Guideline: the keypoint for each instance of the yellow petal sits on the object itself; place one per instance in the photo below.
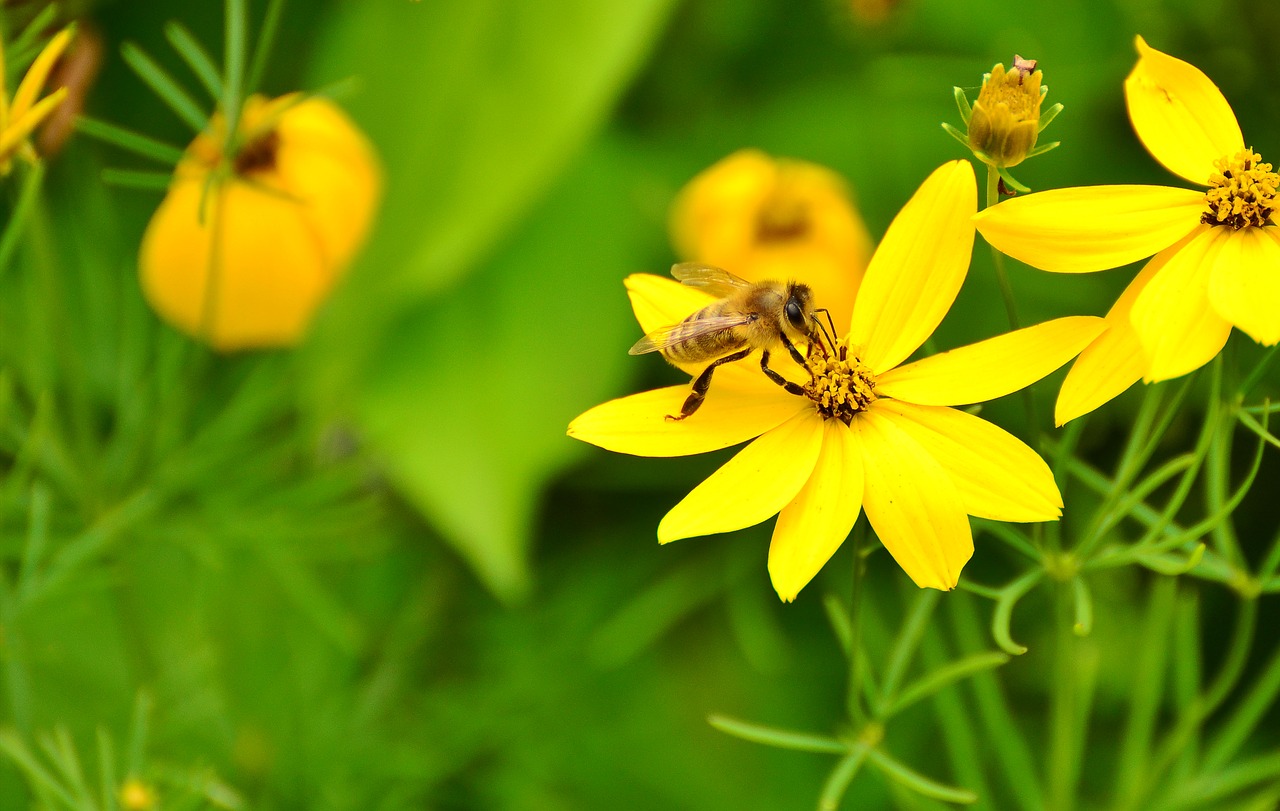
(29, 88)
(912, 503)
(266, 275)
(1092, 227)
(1244, 286)
(991, 368)
(1178, 328)
(811, 528)
(750, 487)
(326, 161)
(995, 473)
(1180, 115)
(18, 130)
(731, 414)
(658, 301)
(1114, 361)
(918, 268)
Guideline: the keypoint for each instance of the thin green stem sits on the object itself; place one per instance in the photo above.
(854, 700)
(1010, 302)
(262, 49)
(233, 67)
(1061, 768)
(22, 209)
(1256, 373)
(904, 647)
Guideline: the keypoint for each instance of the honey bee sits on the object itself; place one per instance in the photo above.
(749, 316)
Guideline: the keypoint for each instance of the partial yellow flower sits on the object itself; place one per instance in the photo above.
(1005, 120)
(775, 218)
(136, 795)
(1216, 254)
(20, 115)
(242, 252)
(870, 432)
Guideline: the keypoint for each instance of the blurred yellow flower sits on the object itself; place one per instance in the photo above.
(1217, 253)
(1005, 120)
(870, 432)
(242, 251)
(20, 115)
(766, 218)
(136, 795)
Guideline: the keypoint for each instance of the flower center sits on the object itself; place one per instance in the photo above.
(841, 385)
(1242, 192)
(259, 155)
(783, 217)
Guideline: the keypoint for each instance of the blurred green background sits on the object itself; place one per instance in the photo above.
(372, 572)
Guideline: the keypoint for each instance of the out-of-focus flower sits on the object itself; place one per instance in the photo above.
(136, 795)
(20, 115)
(1005, 120)
(1217, 253)
(246, 245)
(767, 218)
(868, 432)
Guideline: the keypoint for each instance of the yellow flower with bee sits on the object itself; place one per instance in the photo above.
(853, 427)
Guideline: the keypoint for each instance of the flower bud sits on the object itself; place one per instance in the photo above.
(247, 243)
(1005, 120)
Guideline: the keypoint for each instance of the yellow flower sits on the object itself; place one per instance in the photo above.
(136, 795)
(1216, 254)
(1005, 120)
(870, 432)
(766, 218)
(20, 115)
(241, 252)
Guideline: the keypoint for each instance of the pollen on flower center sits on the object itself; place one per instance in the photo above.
(1242, 192)
(841, 384)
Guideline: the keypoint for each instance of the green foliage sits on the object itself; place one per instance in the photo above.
(268, 580)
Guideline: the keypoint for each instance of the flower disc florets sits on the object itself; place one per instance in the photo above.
(1242, 192)
(841, 385)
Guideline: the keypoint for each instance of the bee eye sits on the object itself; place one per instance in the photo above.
(795, 313)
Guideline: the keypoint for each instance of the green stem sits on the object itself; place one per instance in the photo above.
(1217, 474)
(856, 712)
(1010, 303)
(1062, 767)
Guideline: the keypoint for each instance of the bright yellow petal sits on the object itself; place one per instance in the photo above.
(1178, 328)
(918, 268)
(995, 473)
(750, 487)
(658, 301)
(1092, 227)
(912, 503)
(811, 528)
(731, 414)
(1180, 115)
(21, 127)
(1244, 286)
(1114, 361)
(991, 368)
(29, 88)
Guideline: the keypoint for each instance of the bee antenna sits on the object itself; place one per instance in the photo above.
(828, 329)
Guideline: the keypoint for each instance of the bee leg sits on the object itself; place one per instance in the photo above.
(700, 386)
(795, 354)
(792, 388)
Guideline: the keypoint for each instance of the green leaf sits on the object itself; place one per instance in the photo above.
(475, 108)
(780, 738)
(468, 405)
(899, 773)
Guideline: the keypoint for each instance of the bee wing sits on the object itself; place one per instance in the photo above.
(716, 281)
(685, 331)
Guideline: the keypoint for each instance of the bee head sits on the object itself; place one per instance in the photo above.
(799, 307)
